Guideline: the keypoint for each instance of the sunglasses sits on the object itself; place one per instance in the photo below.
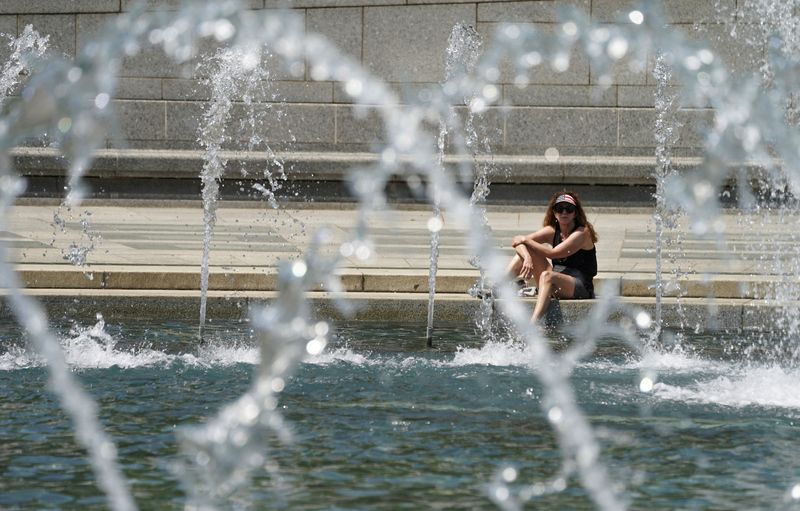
(564, 208)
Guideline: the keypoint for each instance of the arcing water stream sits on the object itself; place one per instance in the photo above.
(749, 125)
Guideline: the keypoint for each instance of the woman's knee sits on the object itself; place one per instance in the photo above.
(546, 277)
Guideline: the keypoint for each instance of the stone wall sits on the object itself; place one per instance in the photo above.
(403, 42)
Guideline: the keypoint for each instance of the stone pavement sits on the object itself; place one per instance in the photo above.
(144, 258)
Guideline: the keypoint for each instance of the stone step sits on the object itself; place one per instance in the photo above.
(83, 305)
(382, 280)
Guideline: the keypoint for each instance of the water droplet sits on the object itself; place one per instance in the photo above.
(64, 124)
(435, 223)
(501, 493)
(796, 492)
(643, 320)
(321, 328)
(692, 63)
(509, 474)
(646, 384)
(477, 105)
(354, 87)
(512, 32)
(250, 60)
(490, 92)
(346, 249)
(315, 346)
(278, 384)
(600, 34)
(706, 56)
(570, 28)
(101, 100)
(636, 17)
(492, 74)
(363, 252)
(74, 74)
(224, 30)
(555, 415)
(551, 154)
(531, 59)
(561, 62)
(320, 73)
(617, 48)
(299, 269)
(389, 156)
(202, 459)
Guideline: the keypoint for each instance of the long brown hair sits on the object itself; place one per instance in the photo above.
(580, 215)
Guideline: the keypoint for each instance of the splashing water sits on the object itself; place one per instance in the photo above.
(212, 464)
(26, 50)
(238, 74)
(666, 134)
(463, 50)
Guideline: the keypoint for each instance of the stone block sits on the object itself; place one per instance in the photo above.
(282, 123)
(304, 124)
(183, 119)
(183, 89)
(60, 28)
(743, 53)
(625, 71)
(636, 127)
(636, 96)
(644, 96)
(60, 278)
(408, 43)
(152, 279)
(141, 120)
(296, 91)
(489, 126)
(208, 48)
(174, 5)
(576, 72)
(303, 92)
(526, 12)
(560, 95)
(600, 170)
(241, 281)
(303, 4)
(342, 27)
(139, 88)
(358, 125)
(405, 91)
(8, 27)
(675, 11)
(59, 7)
(150, 62)
(556, 127)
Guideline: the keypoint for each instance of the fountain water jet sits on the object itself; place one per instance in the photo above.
(238, 73)
(26, 50)
(571, 427)
(463, 50)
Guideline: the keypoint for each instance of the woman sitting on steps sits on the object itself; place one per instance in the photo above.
(568, 240)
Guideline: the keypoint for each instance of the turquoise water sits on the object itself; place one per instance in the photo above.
(382, 422)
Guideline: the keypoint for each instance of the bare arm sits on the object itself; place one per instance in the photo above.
(569, 246)
(543, 235)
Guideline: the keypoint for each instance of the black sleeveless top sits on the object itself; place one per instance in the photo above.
(583, 260)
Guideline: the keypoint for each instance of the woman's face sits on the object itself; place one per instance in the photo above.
(564, 211)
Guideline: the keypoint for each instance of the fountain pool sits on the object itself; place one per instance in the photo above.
(382, 422)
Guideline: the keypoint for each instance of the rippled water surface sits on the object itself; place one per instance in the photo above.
(382, 422)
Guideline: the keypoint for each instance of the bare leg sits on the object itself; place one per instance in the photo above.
(552, 284)
(514, 267)
(539, 262)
